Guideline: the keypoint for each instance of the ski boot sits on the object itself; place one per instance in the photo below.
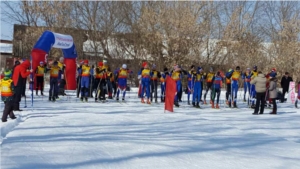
(197, 105)
(86, 99)
(204, 102)
(36, 93)
(142, 100)
(234, 105)
(217, 106)
(53, 99)
(176, 104)
(117, 99)
(50, 98)
(148, 101)
(123, 99)
(227, 102)
(42, 93)
(81, 99)
(189, 102)
(193, 103)
(212, 105)
(211, 102)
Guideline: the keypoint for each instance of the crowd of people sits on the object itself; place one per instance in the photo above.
(101, 81)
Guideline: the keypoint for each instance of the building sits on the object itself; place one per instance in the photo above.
(6, 57)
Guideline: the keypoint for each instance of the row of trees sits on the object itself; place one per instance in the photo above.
(206, 33)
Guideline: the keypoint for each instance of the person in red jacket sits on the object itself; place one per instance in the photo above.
(19, 78)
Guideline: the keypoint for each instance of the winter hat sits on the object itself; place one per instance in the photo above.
(199, 68)
(237, 68)
(55, 63)
(124, 66)
(100, 63)
(153, 66)
(175, 66)
(86, 61)
(218, 73)
(193, 66)
(255, 67)
(211, 69)
(17, 62)
(248, 68)
(7, 73)
(104, 61)
(165, 69)
(41, 62)
(144, 64)
(273, 70)
(230, 70)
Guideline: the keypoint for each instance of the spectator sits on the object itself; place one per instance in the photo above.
(260, 86)
(273, 93)
(285, 84)
(19, 78)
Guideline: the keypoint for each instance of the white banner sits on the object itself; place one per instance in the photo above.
(292, 95)
(62, 41)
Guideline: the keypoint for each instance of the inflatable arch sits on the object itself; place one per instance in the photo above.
(65, 42)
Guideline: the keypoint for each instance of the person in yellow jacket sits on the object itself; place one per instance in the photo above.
(209, 79)
(40, 73)
(54, 75)
(7, 95)
(235, 85)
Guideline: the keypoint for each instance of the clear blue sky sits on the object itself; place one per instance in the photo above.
(6, 31)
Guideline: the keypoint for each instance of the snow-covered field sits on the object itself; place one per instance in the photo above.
(131, 135)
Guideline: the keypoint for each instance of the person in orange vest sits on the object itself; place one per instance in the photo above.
(85, 71)
(155, 76)
(100, 82)
(7, 95)
(209, 76)
(54, 75)
(145, 75)
(39, 73)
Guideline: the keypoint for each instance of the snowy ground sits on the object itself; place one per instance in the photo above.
(71, 134)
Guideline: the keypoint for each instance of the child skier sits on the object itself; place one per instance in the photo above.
(246, 76)
(85, 72)
(155, 75)
(228, 87)
(163, 84)
(217, 84)
(100, 82)
(40, 73)
(209, 76)
(254, 74)
(7, 94)
(190, 76)
(196, 87)
(176, 75)
(122, 75)
(145, 87)
(54, 73)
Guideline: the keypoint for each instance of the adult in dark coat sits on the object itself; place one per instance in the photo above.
(19, 78)
(285, 84)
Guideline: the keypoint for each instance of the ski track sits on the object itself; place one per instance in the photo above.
(71, 134)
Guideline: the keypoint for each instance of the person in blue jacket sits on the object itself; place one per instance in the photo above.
(190, 75)
(86, 71)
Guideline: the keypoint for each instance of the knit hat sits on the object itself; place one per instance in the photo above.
(86, 61)
(7, 73)
(199, 68)
(144, 64)
(165, 69)
(55, 63)
(153, 66)
(100, 63)
(193, 66)
(104, 61)
(218, 73)
(255, 67)
(237, 68)
(273, 70)
(248, 68)
(41, 62)
(124, 66)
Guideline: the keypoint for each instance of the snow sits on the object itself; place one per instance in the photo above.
(131, 135)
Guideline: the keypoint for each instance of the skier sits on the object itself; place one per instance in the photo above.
(209, 76)
(217, 85)
(54, 75)
(61, 74)
(228, 87)
(246, 76)
(196, 87)
(155, 75)
(86, 71)
(78, 79)
(254, 74)
(7, 95)
(235, 76)
(145, 85)
(163, 84)
(272, 73)
(39, 73)
(140, 80)
(176, 75)
(190, 84)
(100, 82)
(122, 75)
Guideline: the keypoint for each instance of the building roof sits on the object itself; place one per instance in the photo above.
(6, 48)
